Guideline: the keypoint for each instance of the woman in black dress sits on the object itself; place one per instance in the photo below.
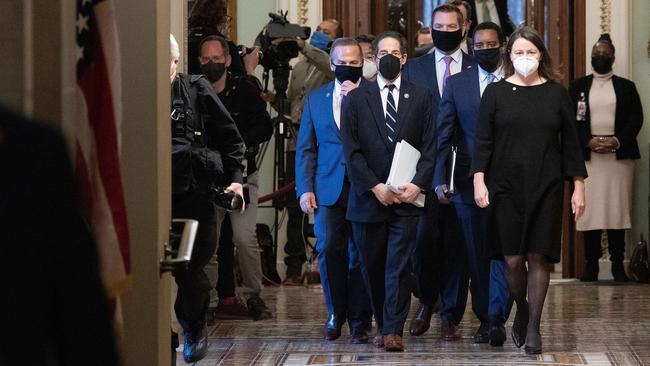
(526, 143)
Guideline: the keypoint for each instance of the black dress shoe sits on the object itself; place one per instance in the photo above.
(195, 345)
(533, 343)
(359, 336)
(497, 334)
(482, 334)
(333, 327)
(422, 320)
(591, 271)
(518, 332)
(618, 271)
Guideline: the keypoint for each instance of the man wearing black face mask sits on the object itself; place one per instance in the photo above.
(609, 117)
(322, 187)
(374, 119)
(438, 237)
(456, 123)
(241, 97)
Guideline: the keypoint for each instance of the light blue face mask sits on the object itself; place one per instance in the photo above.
(320, 40)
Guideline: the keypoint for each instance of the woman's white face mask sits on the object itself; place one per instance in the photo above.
(369, 69)
(525, 65)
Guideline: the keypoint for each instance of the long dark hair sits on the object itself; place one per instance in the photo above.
(545, 69)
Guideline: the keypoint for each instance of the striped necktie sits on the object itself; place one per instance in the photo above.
(391, 115)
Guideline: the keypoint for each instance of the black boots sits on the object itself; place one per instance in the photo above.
(591, 271)
(618, 271)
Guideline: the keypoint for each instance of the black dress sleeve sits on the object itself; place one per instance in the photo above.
(485, 131)
(573, 163)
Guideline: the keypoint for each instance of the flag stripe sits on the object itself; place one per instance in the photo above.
(102, 120)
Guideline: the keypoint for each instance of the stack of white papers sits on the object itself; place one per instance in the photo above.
(403, 168)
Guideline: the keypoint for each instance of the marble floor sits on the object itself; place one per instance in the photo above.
(583, 324)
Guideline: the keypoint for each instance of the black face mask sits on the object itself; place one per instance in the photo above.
(602, 64)
(213, 70)
(488, 58)
(344, 72)
(389, 67)
(446, 41)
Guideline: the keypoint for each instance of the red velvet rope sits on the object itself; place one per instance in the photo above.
(280, 192)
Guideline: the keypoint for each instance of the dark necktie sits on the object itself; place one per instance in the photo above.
(391, 115)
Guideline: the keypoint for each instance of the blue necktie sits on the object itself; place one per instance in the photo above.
(391, 115)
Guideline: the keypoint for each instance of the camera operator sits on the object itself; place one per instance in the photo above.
(205, 138)
(241, 96)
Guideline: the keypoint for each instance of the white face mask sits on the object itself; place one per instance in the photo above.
(369, 69)
(525, 65)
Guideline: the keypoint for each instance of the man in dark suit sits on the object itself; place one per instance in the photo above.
(495, 11)
(456, 123)
(322, 186)
(54, 310)
(431, 71)
(375, 118)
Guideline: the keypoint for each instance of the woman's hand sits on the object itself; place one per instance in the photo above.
(481, 194)
(578, 197)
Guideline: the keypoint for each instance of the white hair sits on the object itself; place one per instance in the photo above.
(174, 51)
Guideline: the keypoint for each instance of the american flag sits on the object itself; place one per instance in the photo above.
(97, 142)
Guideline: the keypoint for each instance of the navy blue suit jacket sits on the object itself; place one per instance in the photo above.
(369, 154)
(422, 72)
(458, 110)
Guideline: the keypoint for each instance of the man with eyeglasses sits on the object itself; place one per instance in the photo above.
(458, 111)
(374, 119)
(241, 97)
(436, 261)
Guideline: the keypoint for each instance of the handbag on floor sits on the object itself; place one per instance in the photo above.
(639, 267)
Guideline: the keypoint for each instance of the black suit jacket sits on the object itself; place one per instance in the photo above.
(507, 26)
(628, 119)
(53, 310)
(369, 154)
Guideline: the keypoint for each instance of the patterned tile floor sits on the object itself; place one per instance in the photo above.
(583, 324)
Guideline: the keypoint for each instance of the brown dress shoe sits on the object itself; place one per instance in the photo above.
(448, 330)
(422, 320)
(378, 340)
(393, 343)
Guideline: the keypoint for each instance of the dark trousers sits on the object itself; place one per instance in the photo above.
(500, 299)
(426, 256)
(487, 281)
(386, 249)
(616, 245)
(226, 259)
(295, 247)
(193, 284)
(340, 269)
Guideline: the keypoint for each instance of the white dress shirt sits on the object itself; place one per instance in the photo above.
(494, 14)
(483, 77)
(383, 90)
(337, 98)
(454, 67)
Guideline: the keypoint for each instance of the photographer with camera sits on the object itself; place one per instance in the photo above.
(207, 153)
(241, 96)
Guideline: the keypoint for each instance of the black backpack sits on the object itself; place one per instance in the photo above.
(195, 166)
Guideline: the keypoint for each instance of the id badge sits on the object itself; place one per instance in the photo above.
(581, 111)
